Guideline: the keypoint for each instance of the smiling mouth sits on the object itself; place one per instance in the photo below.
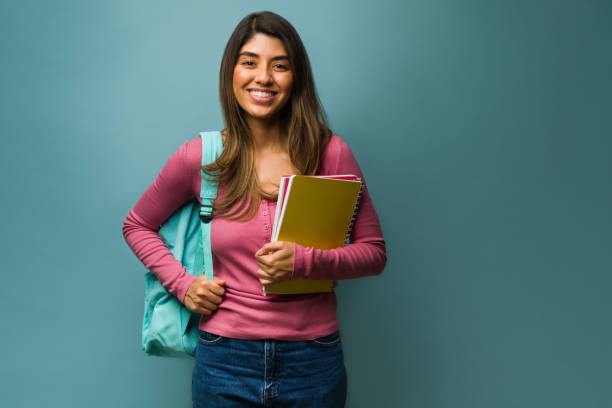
(261, 94)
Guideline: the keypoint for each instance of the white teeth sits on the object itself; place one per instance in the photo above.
(260, 94)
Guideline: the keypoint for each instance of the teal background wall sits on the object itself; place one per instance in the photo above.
(483, 128)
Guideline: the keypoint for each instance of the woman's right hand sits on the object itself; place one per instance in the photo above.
(203, 296)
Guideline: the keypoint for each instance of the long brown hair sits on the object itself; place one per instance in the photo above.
(303, 123)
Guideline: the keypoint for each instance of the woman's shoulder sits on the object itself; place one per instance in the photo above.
(336, 153)
(191, 150)
(186, 160)
(189, 154)
(336, 144)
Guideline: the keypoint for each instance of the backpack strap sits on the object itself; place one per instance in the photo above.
(212, 145)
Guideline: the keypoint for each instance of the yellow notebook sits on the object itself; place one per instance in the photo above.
(314, 211)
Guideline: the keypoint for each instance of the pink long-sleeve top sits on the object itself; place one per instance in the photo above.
(244, 312)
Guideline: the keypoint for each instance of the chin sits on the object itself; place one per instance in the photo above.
(263, 116)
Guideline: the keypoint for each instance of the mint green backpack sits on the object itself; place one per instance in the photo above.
(169, 328)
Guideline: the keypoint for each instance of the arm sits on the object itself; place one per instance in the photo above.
(364, 256)
(171, 188)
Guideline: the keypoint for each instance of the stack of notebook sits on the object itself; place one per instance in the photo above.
(318, 212)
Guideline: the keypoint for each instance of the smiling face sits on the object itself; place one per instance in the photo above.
(262, 77)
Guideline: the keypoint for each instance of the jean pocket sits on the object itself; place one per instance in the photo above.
(208, 339)
(330, 340)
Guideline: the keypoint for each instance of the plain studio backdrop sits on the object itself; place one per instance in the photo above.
(482, 127)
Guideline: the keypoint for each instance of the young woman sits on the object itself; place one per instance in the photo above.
(254, 350)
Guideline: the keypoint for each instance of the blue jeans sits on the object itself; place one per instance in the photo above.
(268, 373)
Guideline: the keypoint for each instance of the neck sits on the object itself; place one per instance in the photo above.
(266, 135)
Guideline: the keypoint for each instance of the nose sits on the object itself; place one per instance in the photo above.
(263, 75)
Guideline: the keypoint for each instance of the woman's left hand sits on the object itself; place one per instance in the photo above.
(275, 260)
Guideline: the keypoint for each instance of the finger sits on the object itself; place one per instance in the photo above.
(271, 280)
(211, 297)
(263, 264)
(212, 289)
(265, 278)
(273, 246)
(194, 307)
(208, 305)
(273, 257)
(209, 290)
(269, 247)
(216, 289)
(263, 261)
(203, 311)
(269, 262)
(284, 251)
(263, 274)
(202, 279)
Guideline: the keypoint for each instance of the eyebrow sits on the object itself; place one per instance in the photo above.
(252, 54)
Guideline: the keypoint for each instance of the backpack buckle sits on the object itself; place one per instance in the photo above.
(206, 213)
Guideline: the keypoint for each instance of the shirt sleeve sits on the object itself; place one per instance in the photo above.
(172, 187)
(364, 256)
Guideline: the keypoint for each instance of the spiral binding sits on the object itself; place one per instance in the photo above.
(347, 238)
